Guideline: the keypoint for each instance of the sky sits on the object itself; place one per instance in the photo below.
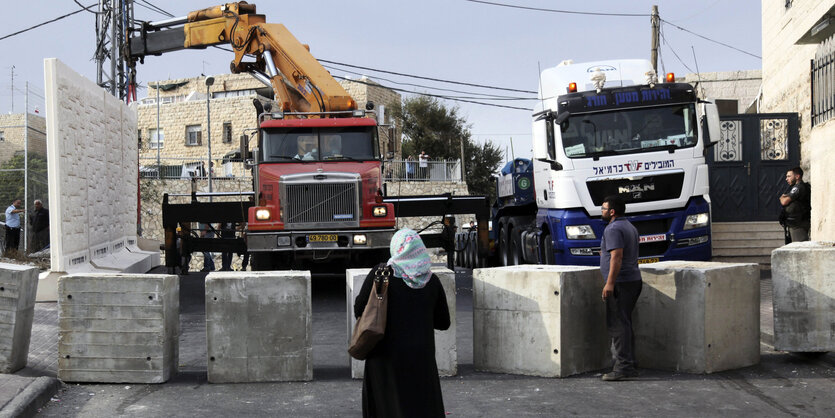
(455, 40)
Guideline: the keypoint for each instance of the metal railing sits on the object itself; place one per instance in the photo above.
(823, 82)
(414, 170)
(189, 167)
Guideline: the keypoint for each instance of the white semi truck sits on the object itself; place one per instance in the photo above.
(606, 128)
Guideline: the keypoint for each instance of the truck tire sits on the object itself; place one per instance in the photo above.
(515, 249)
(504, 243)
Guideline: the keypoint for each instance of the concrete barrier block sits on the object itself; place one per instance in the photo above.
(18, 286)
(258, 326)
(804, 296)
(698, 317)
(539, 320)
(118, 328)
(446, 349)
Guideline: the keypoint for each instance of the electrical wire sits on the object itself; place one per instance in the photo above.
(435, 95)
(426, 78)
(155, 8)
(664, 39)
(484, 95)
(708, 39)
(573, 12)
(87, 8)
(44, 23)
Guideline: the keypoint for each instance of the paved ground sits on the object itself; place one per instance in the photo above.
(782, 385)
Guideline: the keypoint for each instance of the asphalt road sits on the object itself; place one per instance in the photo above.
(782, 385)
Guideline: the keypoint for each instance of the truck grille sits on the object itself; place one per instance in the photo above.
(644, 189)
(326, 200)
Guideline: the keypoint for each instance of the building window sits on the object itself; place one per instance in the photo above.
(227, 132)
(194, 135)
(788, 3)
(156, 141)
(2, 137)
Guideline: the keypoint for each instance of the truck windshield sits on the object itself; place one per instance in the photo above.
(629, 131)
(355, 143)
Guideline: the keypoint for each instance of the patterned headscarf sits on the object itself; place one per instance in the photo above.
(409, 259)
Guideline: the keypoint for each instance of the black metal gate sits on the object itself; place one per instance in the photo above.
(748, 166)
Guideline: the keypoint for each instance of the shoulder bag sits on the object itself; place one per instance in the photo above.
(371, 326)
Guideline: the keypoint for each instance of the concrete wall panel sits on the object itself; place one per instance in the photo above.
(446, 348)
(804, 296)
(18, 285)
(92, 146)
(539, 320)
(258, 326)
(698, 317)
(118, 328)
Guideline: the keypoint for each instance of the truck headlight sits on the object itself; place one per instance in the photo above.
(579, 232)
(698, 220)
(262, 214)
(359, 239)
(379, 211)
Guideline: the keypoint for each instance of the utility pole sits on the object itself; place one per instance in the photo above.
(656, 26)
(114, 72)
(12, 88)
(26, 171)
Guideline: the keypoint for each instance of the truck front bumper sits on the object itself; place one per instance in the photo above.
(303, 241)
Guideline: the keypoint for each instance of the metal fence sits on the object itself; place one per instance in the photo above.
(823, 82)
(413, 170)
(188, 167)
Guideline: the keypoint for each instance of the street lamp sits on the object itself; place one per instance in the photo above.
(209, 82)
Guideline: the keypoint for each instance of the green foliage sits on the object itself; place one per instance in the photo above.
(439, 131)
(11, 182)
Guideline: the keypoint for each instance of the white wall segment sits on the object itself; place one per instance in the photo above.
(92, 148)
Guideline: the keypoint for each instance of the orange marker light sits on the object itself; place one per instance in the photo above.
(572, 87)
(671, 78)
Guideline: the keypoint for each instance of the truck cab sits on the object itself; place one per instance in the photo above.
(319, 194)
(611, 128)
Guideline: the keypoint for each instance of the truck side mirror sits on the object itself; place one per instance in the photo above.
(244, 147)
(710, 124)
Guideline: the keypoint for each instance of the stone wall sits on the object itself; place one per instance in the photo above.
(11, 127)
(422, 188)
(787, 88)
(92, 172)
(742, 86)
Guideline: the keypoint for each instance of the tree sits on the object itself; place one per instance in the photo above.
(439, 131)
(11, 182)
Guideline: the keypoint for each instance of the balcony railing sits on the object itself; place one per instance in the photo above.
(408, 170)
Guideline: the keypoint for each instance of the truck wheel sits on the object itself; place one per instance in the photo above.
(515, 249)
(547, 247)
(504, 243)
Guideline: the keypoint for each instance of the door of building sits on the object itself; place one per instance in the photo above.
(748, 166)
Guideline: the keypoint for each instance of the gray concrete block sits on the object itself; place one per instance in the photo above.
(698, 317)
(446, 349)
(804, 296)
(118, 328)
(18, 287)
(258, 326)
(539, 320)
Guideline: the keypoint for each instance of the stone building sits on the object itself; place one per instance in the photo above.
(734, 91)
(12, 135)
(183, 136)
(793, 33)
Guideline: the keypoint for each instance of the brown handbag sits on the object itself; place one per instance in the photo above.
(371, 326)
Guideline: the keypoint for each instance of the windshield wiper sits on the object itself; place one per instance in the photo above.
(597, 154)
(282, 157)
(669, 147)
(340, 157)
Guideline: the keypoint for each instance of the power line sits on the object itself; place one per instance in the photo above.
(435, 95)
(664, 39)
(711, 40)
(483, 95)
(44, 23)
(155, 8)
(572, 12)
(427, 78)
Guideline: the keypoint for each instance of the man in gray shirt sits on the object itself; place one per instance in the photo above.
(619, 267)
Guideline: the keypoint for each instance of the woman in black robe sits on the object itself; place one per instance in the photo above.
(401, 376)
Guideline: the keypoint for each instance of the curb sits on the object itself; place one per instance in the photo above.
(31, 398)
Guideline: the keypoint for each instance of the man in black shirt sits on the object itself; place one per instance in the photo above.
(798, 206)
(40, 226)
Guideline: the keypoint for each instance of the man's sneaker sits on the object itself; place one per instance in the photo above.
(617, 375)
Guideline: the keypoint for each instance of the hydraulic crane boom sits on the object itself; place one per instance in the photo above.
(300, 83)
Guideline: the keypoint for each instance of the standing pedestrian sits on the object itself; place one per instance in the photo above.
(410, 168)
(401, 375)
(798, 205)
(206, 231)
(39, 221)
(423, 160)
(13, 227)
(227, 231)
(619, 266)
